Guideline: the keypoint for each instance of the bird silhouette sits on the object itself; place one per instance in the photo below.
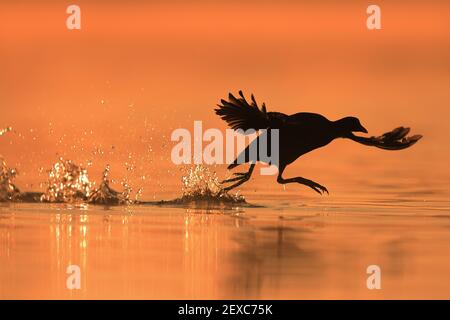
(299, 133)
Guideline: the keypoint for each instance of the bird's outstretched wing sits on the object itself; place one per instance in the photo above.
(393, 140)
(240, 114)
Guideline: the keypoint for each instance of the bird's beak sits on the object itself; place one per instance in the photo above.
(362, 129)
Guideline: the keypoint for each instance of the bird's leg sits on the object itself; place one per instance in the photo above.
(313, 185)
(241, 178)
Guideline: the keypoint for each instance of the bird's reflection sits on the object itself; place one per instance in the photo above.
(270, 256)
(191, 253)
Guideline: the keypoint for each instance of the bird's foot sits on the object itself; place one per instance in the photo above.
(240, 176)
(317, 187)
(240, 179)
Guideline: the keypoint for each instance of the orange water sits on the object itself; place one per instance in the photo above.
(296, 245)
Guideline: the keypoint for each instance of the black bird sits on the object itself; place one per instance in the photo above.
(299, 133)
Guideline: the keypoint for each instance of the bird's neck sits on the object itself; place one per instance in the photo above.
(339, 130)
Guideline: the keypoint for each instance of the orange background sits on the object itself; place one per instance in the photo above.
(114, 91)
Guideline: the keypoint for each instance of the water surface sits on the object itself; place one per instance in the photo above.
(282, 250)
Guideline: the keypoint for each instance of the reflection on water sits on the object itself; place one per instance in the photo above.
(262, 252)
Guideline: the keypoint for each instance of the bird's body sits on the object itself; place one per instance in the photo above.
(299, 134)
(303, 133)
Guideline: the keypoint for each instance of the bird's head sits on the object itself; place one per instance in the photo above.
(347, 125)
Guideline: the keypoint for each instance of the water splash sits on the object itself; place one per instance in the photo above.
(8, 191)
(104, 194)
(202, 185)
(67, 182)
(5, 130)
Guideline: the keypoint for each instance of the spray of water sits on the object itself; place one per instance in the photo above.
(67, 182)
(104, 194)
(5, 130)
(202, 185)
(8, 191)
